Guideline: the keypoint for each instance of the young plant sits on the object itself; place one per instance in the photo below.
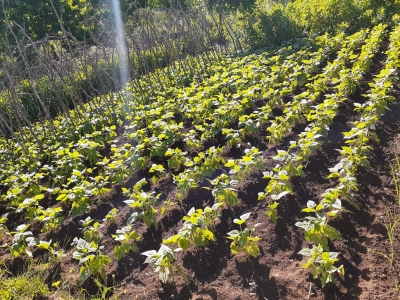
(212, 159)
(81, 197)
(127, 237)
(91, 232)
(160, 173)
(19, 244)
(91, 258)
(322, 264)
(272, 211)
(223, 190)
(51, 218)
(184, 182)
(243, 241)
(191, 140)
(31, 206)
(146, 202)
(54, 254)
(111, 216)
(248, 124)
(233, 137)
(166, 206)
(163, 261)
(252, 160)
(316, 229)
(195, 229)
(3, 227)
(177, 159)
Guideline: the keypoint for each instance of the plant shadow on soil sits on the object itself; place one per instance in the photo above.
(256, 278)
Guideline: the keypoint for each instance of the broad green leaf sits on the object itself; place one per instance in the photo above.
(253, 250)
(39, 197)
(184, 243)
(85, 274)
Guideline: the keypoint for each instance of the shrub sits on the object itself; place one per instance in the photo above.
(29, 285)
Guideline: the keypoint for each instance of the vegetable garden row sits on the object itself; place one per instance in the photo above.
(196, 137)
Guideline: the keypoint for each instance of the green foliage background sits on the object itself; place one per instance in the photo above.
(271, 22)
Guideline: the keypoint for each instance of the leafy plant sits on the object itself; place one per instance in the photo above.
(177, 158)
(184, 182)
(146, 202)
(196, 228)
(3, 227)
(111, 216)
(223, 190)
(31, 206)
(160, 173)
(316, 229)
(272, 211)
(243, 239)
(54, 254)
(191, 140)
(127, 237)
(19, 244)
(233, 137)
(322, 264)
(251, 161)
(91, 232)
(51, 218)
(91, 258)
(166, 206)
(163, 261)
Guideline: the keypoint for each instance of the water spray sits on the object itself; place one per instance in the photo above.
(122, 49)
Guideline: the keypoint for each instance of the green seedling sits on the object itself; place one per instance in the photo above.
(54, 254)
(233, 137)
(184, 182)
(146, 202)
(163, 261)
(243, 241)
(322, 264)
(19, 244)
(167, 206)
(51, 218)
(195, 229)
(223, 190)
(111, 216)
(91, 232)
(177, 158)
(3, 227)
(127, 237)
(316, 229)
(160, 173)
(91, 258)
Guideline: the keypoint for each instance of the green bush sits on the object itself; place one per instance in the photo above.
(26, 286)
(265, 25)
(316, 16)
(270, 22)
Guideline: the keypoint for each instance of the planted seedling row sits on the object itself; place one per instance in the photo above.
(290, 162)
(354, 154)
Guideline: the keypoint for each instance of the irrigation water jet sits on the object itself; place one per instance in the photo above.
(121, 49)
